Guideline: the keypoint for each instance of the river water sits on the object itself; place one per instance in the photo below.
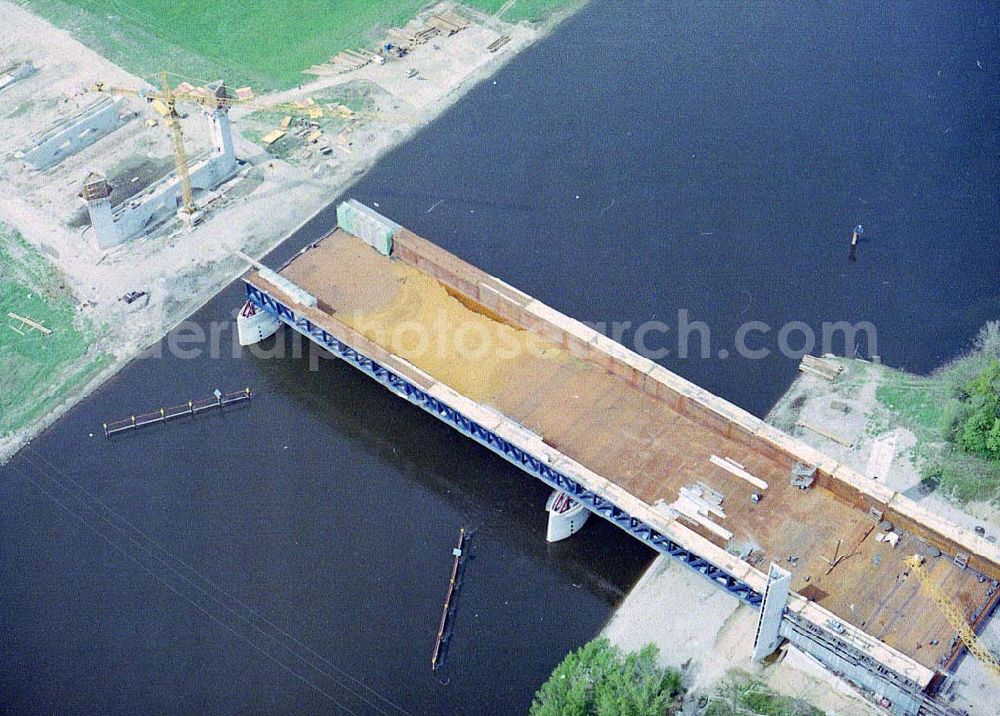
(291, 555)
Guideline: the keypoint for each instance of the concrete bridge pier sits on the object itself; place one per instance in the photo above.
(97, 193)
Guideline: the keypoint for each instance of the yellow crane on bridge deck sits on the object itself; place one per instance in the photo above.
(954, 615)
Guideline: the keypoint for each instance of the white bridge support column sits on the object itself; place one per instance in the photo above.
(97, 194)
(772, 608)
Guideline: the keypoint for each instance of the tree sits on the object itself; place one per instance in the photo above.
(597, 679)
(979, 427)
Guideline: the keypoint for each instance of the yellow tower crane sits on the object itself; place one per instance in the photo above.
(165, 102)
(954, 615)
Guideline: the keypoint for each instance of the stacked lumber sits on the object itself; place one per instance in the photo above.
(498, 43)
(443, 23)
(401, 38)
(349, 60)
(428, 33)
(820, 367)
(448, 23)
(455, 19)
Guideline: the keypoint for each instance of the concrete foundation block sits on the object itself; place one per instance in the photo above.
(69, 137)
(368, 225)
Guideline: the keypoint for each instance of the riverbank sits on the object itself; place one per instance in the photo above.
(180, 271)
(706, 633)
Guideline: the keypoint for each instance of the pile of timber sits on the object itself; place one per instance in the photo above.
(443, 23)
(498, 43)
(350, 60)
(426, 34)
(448, 22)
(345, 61)
(408, 40)
(820, 367)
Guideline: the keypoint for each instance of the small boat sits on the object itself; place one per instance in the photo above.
(254, 325)
(566, 516)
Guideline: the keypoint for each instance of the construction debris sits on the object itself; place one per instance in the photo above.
(696, 502)
(820, 431)
(891, 537)
(820, 367)
(738, 470)
(273, 136)
(26, 323)
(803, 476)
(880, 459)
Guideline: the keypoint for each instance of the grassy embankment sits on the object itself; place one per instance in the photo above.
(936, 409)
(264, 45)
(36, 370)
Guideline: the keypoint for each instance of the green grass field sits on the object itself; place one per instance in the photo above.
(37, 370)
(265, 45)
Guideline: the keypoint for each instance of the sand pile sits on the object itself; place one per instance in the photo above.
(468, 351)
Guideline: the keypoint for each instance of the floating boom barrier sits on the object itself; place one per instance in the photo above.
(192, 407)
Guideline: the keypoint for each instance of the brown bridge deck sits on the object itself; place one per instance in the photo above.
(423, 302)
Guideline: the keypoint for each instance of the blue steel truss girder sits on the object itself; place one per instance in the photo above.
(512, 453)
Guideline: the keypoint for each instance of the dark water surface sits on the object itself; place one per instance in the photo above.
(263, 560)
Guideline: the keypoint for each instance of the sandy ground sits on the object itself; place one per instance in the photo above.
(706, 632)
(810, 400)
(181, 270)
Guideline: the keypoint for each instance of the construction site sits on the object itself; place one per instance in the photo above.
(130, 201)
(132, 188)
(880, 590)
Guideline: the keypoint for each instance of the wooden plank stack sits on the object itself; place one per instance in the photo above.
(448, 22)
(820, 367)
(498, 43)
(428, 33)
(443, 23)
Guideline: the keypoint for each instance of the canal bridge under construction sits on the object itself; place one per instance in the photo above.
(816, 546)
